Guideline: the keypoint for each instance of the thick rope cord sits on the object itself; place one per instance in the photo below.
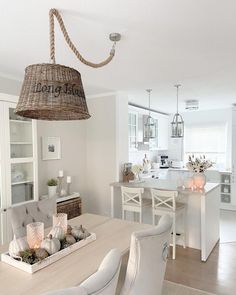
(53, 12)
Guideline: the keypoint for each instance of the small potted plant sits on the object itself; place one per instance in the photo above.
(52, 187)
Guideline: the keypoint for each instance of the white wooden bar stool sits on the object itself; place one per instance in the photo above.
(164, 202)
(132, 201)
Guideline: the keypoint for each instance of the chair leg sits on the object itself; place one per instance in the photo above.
(174, 238)
(123, 214)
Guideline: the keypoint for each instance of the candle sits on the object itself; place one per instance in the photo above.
(35, 234)
(60, 173)
(68, 179)
(60, 219)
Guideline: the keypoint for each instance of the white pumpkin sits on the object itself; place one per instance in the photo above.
(51, 245)
(80, 232)
(17, 245)
(57, 232)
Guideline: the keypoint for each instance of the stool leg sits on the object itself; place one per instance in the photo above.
(153, 218)
(174, 237)
(140, 216)
(184, 228)
(123, 214)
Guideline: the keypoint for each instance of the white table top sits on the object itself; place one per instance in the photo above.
(76, 267)
(166, 184)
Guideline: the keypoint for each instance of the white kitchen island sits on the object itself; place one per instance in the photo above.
(202, 220)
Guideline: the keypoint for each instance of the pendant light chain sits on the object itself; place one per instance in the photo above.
(54, 12)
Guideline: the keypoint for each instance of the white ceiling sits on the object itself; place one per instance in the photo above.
(163, 42)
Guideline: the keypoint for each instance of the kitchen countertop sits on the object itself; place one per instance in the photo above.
(166, 184)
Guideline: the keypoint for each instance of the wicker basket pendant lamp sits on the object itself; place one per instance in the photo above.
(52, 91)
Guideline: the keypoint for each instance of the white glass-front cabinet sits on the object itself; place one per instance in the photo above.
(18, 162)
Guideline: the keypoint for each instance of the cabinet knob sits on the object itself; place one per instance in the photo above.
(4, 210)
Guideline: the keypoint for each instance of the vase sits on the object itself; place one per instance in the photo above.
(52, 191)
(199, 180)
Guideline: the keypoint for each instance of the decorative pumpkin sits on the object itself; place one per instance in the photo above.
(57, 232)
(80, 233)
(69, 229)
(70, 239)
(51, 245)
(17, 245)
(41, 253)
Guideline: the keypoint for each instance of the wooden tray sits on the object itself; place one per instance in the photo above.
(5, 257)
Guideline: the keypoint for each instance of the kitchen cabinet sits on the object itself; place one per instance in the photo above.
(233, 177)
(18, 162)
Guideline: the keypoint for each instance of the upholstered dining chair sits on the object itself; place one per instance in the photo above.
(29, 212)
(147, 259)
(102, 282)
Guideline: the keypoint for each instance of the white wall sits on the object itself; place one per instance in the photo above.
(73, 157)
(201, 117)
(106, 148)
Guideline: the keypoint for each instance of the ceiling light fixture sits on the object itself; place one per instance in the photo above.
(191, 104)
(52, 91)
(177, 124)
(150, 125)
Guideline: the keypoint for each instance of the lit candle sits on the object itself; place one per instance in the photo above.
(68, 179)
(35, 234)
(60, 173)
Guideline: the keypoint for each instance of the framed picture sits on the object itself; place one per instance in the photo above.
(51, 148)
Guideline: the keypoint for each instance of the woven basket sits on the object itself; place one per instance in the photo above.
(52, 92)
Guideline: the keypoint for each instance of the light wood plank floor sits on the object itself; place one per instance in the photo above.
(217, 275)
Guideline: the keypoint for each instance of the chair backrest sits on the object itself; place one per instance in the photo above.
(147, 259)
(131, 195)
(104, 281)
(163, 198)
(24, 214)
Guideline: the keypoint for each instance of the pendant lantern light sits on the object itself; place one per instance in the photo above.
(177, 124)
(150, 125)
(52, 91)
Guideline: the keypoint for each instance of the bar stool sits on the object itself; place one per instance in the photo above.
(164, 202)
(132, 201)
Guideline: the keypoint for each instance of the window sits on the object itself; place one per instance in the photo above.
(206, 139)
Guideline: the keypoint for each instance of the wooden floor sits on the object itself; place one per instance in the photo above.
(217, 275)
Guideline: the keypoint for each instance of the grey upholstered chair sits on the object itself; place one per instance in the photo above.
(102, 282)
(24, 214)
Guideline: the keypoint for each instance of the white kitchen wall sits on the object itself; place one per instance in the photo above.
(201, 117)
(73, 154)
(136, 157)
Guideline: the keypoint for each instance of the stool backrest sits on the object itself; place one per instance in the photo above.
(163, 198)
(131, 195)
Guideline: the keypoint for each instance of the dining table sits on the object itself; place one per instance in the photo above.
(73, 269)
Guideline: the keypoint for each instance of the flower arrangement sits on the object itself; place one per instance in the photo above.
(198, 165)
(136, 169)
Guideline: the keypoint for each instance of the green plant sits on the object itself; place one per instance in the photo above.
(52, 182)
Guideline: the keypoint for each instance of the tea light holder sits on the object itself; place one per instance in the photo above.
(60, 219)
(35, 234)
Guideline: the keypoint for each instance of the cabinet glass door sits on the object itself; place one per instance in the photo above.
(21, 158)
